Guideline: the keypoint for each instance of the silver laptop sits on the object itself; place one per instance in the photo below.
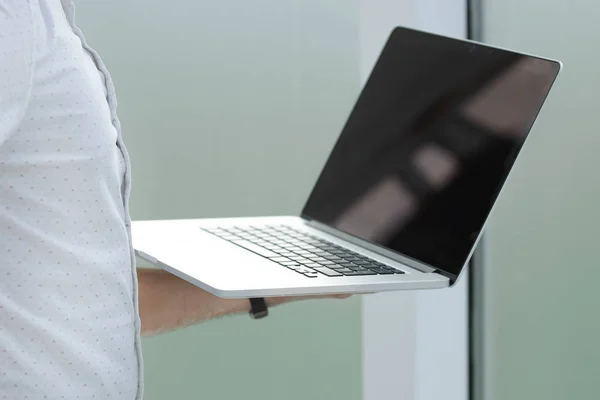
(405, 193)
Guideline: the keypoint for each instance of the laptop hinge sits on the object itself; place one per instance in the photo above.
(451, 277)
(373, 247)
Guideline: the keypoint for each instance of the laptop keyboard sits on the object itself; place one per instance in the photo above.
(306, 254)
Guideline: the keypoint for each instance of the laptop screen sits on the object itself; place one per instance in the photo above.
(429, 144)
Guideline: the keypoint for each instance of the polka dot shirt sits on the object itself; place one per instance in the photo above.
(69, 325)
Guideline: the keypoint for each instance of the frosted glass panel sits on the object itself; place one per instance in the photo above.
(543, 243)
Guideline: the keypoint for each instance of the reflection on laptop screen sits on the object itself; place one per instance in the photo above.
(429, 144)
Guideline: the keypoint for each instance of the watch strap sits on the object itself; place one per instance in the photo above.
(258, 308)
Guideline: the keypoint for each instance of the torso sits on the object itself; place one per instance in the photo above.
(68, 294)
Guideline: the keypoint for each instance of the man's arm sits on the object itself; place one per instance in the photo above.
(168, 302)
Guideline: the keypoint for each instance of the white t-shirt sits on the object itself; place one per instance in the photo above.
(69, 325)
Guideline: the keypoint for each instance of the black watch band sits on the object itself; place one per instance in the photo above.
(258, 308)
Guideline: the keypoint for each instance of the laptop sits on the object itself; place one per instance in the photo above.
(405, 193)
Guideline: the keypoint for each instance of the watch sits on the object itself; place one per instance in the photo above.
(258, 308)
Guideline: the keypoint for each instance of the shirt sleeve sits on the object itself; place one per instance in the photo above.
(16, 64)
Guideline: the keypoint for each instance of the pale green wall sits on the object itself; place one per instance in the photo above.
(229, 108)
(545, 238)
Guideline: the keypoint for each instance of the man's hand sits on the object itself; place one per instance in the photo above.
(167, 302)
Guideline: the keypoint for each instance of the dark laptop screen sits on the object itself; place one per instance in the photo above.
(429, 144)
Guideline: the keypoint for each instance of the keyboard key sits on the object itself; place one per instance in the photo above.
(312, 265)
(360, 273)
(289, 263)
(358, 268)
(380, 271)
(344, 271)
(299, 258)
(255, 249)
(353, 259)
(332, 249)
(228, 237)
(328, 272)
(326, 262)
(280, 259)
(304, 270)
(275, 249)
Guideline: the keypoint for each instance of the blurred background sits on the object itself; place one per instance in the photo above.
(230, 108)
(543, 266)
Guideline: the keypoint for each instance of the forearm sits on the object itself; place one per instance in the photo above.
(167, 302)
